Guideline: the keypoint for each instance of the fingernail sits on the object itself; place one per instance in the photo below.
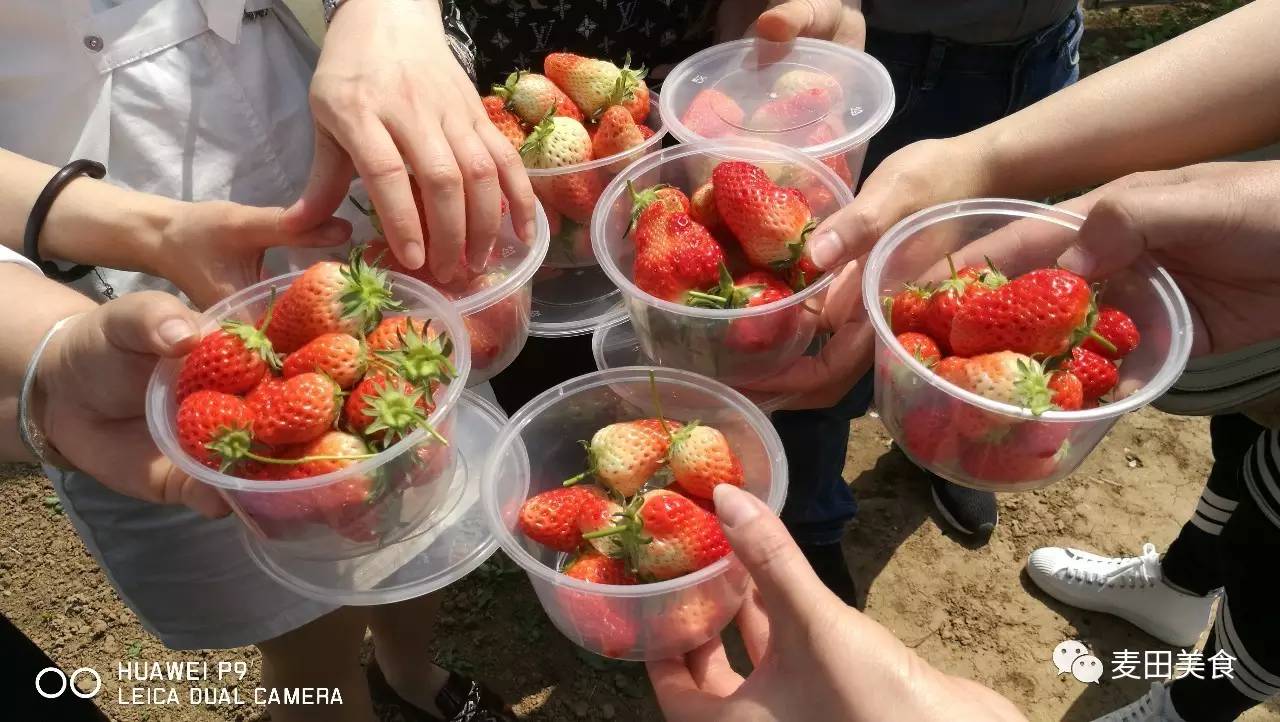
(174, 331)
(336, 232)
(529, 233)
(1077, 260)
(825, 249)
(414, 257)
(734, 506)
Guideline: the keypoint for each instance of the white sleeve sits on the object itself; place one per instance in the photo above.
(8, 255)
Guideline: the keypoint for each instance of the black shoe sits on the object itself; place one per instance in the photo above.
(969, 511)
(461, 700)
(828, 561)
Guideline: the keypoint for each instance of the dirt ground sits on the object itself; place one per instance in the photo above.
(968, 611)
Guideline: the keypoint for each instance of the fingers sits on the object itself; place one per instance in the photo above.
(789, 589)
(850, 232)
(183, 489)
(482, 193)
(709, 665)
(150, 323)
(753, 624)
(378, 161)
(1122, 225)
(788, 20)
(845, 357)
(266, 228)
(330, 179)
(514, 182)
(442, 189)
(678, 695)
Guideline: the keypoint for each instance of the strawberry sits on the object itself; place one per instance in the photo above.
(486, 342)
(654, 201)
(551, 518)
(596, 84)
(704, 504)
(1004, 376)
(928, 435)
(556, 142)
(1067, 391)
(378, 253)
(675, 258)
(1030, 452)
(946, 300)
(592, 566)
(348, 506)
(1118, 329)
(420, 357)
(700, 459)
(920, 347)
(387, 335)
(339, 356)
(232, 360)
(639, 104)
(330, 297)
(702, 208)
(600, 511)
(599, 622)
(771, 222)
(687, 621)
(712, 114)
(684, 537)
(949, 366)
(803, 273)
(907, 309)
(1041, 313)
(616, 133)
(646, 131)
(751, 334)
(215, 428)
(532, 97)
(385, 408)
(792, 111)
(504, 120)
(1097, 373)
(823, 133)
(572, 194)
(622, 456)
(798, 81)
(295, 411)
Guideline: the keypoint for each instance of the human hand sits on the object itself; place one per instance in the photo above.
(388, 89)
(814, 658)
(90, 393)
(834, 20)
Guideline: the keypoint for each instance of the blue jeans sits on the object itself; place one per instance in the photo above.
(943, 89)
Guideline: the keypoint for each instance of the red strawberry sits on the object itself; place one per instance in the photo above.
(387, 335)
(906, 310)
(949, 297)
(1117, 328)
(687, 621)
(378, 253)
(920, 347)
(532, 96)
(712, 114)
(504, 120)
(572, 194)
(1003, 376)
(772, 223)
(598, 514)
(295, 411)
(616, 133)
(215, 428)
(502, 316)
(385, 408)
(551, 518)
(1097, 373)
(601, 623)
(675, 257)
(646, 131)
(704, 504)
(423, 358)
(702, 208)
(622, 456)
(486, 342)
(1030, 452)
(1040, 313)
(950, 366)
(1068, 392)
(928, 433)
(595, 84)
(751, 334)
(330, 297)
(638, 105)
(592, 566)
(232, 360)
(685, 538)
(339, 356)
(792, 111)
(800, 81)
(349, 506)
(654, 201)
(700, 459)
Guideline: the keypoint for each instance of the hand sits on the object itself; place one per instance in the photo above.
(213, 249)
(387, 90)
(834, 20)
(91, 389)
(814, 658)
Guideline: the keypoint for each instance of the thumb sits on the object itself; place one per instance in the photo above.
(789, 590)
(150, 323)
(788, 20)
(266, 228)
(1123, 225)
(331, 174)
(850, 232)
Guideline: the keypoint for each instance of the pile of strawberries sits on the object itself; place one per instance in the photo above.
(320, 382)
(648, 516)
(1039, 341)
(580, 110)
(686, 246)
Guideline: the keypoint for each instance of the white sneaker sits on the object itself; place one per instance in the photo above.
(1153, 707)
(1131, 588)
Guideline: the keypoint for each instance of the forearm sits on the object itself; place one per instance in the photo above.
(91, 221)
(43, 303)
(1204, 95)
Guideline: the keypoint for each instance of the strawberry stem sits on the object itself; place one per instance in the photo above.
(657, 404)
(1102, 341)
(307, 459)
(602, 533)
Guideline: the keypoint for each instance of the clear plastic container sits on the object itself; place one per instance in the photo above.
(1035, 451)
(284, 515)
(736, 346)
(456, 541)
(571, 295)
(495, 305)
(539, 447)
(847, 94)
(615, 344)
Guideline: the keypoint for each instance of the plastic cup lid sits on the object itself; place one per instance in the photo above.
(572, 301)
(458, 539)
(615, 345)
(818, 97)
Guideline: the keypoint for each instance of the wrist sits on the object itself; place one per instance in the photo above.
(99, 224)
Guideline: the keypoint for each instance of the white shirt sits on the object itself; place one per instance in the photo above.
(182, 98)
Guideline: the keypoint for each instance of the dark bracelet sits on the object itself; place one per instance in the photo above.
(40, 211)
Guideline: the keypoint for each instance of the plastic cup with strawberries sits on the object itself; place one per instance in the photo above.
(495, 304)
(356, 509)
(539, 448)
(732, 345)
(973, 440)
(821, 98)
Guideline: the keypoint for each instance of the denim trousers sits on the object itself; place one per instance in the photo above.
(942, 89)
